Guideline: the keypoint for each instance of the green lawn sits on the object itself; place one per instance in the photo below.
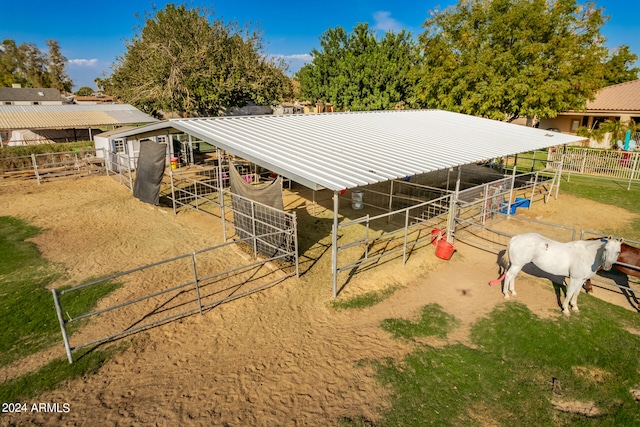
(520, 364)
(27, 313)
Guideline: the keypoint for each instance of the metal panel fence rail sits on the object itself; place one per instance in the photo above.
(616, 164)
(163, 291)
(621, 280)
(368, 239)
(120, 166)
(202, 192)
(52, 166)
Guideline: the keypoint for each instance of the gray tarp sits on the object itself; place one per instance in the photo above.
(149, 172)
(264, 219)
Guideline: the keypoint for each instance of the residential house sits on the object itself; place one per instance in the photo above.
(30, 96)
(618, 102)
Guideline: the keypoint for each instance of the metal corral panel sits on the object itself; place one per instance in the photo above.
(346, 150)
(69, 116)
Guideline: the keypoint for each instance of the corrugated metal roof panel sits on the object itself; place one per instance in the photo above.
(347, 150)
(69, 116)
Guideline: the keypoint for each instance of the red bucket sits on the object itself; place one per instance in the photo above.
(436, 234)
(444, 249)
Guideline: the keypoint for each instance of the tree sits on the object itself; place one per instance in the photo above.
(57, 73)
(619, 68)
(359, 72)
(29, 67)
(505, 59)
(182, 61)
(84, 91)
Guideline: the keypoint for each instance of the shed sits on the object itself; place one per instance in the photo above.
(62, 121)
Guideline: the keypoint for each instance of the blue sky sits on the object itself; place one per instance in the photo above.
(93, 34)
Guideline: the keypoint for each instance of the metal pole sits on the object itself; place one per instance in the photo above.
(35, 167)
(533, 189)
(513, 183)
(173, 191)
(451, 218)
(63, 328)
(295, 240)
(195, 278)
(221, 194)
(334, 244)
(406, 230)
(366, 238)
(560, 176)
(253, 229)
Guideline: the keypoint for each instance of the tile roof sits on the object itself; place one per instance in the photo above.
(621, 97)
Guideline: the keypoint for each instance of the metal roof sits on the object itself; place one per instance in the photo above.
(346, 150)
(70, 116)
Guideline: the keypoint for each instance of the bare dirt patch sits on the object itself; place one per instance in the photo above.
(282, 356)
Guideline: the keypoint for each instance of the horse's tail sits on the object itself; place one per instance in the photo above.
(503, 262)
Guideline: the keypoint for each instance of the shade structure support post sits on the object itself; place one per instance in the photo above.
(173, 191)
(334, 243)
(513, 183)
(560, 172)
(221, 194)
(453, 202)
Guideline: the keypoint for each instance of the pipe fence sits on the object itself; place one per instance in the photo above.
(46, 167)
(167, 290)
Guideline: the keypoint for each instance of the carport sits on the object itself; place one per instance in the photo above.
(343, 151)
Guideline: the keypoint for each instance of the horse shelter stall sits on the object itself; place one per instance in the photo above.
(393, 175)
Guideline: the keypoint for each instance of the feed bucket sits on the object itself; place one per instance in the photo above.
(444, 249)
(174, 163)
(436, 234)
(357, 197)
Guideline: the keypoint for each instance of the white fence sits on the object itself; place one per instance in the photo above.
(616, 164)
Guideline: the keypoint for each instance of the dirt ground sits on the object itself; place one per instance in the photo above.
(281, 356)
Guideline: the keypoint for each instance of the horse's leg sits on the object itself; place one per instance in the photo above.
(574, 299)
(509, 280)
(588, 287)
(573, 289)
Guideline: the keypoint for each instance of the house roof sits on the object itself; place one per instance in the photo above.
(623, 97)
(70, 116)
(346, 150)
(29, 94)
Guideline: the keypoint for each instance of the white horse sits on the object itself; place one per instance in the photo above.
(579, 260)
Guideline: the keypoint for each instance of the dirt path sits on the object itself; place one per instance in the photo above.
(282, 356)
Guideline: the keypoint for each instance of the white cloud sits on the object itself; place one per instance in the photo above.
(299, 56)
(384, 22)
(84, 62)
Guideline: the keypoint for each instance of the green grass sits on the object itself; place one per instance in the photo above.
(27, 312)
(368, 299)
(51, 375)
(507, 375)
(432, 322)
(506, 378)
(608, 192)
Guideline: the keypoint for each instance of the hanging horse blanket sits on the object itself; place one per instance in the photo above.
(151, 164)
(266, 217)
